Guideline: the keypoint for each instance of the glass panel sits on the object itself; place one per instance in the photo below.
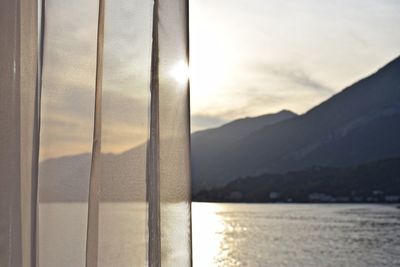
(174, 134)
(125, 108)
(68, 103)
(66, 130)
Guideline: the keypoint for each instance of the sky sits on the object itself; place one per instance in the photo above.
(247, 58)
(252, 57)
(69, 76)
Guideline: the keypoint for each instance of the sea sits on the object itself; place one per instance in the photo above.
(227, 235)
(296, 235)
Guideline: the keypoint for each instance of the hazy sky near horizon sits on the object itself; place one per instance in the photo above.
(261, 56)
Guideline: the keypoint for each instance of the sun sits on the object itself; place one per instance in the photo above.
(181, 72)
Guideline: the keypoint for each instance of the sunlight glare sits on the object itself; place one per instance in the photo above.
(207, 244)
(180, 72)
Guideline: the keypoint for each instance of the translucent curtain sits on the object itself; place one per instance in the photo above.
(66, 136)
(174, 133)
(168, 169)
(107, 180)
(18, 131)
(121, 235)
(114, 180)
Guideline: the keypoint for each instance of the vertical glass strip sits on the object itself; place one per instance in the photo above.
(18, 53)
(66, 132)
(153, 164)
(125, 133)
(94, 182)
(174, 133)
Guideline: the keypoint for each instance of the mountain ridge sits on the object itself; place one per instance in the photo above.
(359, 124)
(373, 103)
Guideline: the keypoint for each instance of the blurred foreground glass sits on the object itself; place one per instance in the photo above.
(114, 129)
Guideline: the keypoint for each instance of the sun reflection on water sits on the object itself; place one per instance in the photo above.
(207, 245)
(215, 236)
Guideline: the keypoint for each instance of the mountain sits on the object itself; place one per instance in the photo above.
(371, 182)
(208, 144)
(359, 124)
(65, 178)
(122, 177)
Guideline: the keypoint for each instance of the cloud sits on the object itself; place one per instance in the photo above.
(356, 37)
(269, 88)
(296, 75)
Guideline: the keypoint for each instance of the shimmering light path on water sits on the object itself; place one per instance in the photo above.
(295, 235)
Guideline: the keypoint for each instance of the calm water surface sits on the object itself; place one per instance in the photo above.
(295, 235)
(226, 235)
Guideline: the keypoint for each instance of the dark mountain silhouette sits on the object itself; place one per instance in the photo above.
(123, 175)
(67, 178)
(359, 124)
(64, 178)
(211, 143)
